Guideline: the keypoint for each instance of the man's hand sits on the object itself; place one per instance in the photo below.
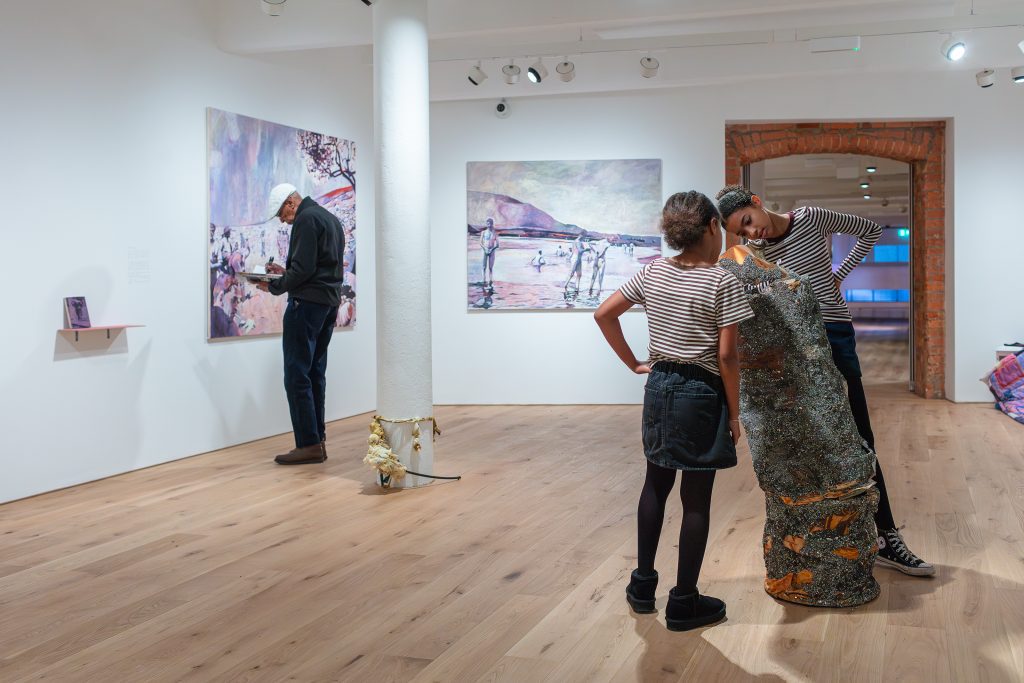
(642, 368)
(838, 281)
(261, 285)
(275, 269)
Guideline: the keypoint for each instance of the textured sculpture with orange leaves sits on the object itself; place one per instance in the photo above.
(813, 466)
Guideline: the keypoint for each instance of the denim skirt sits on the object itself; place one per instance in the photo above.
(686, 419)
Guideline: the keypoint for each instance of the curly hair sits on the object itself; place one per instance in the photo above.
(732, 198)
(685, 218)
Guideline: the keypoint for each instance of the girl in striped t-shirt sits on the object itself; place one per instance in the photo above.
(691, 401)
(801, 242)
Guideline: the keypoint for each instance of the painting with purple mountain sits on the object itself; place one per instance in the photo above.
(558, 234)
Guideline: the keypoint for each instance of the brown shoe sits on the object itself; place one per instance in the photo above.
(307, 455)
(323, 448)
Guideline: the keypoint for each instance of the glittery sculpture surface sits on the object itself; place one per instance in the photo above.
(813, 466)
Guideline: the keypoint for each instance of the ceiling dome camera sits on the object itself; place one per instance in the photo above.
(501, 109)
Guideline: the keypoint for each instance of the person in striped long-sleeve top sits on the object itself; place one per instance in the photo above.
(800, 241)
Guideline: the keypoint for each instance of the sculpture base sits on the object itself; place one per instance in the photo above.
(821, 553)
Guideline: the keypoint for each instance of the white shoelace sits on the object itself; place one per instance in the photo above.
(895, 541)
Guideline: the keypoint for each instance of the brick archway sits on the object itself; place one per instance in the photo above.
(921, 144)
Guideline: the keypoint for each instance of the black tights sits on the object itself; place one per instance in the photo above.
(695, 492)
(859, 406)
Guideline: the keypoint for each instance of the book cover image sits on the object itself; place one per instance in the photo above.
(76, 313)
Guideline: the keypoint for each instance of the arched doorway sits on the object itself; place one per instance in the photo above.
(918, 143)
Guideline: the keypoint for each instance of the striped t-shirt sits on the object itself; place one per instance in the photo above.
(806, 249)
(685, 307)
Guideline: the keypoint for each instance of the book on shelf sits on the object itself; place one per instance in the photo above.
(76, 313)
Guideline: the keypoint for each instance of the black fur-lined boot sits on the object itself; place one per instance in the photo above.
(640, 591)
(692, 610)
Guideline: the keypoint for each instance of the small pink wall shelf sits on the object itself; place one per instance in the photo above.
(106, 328)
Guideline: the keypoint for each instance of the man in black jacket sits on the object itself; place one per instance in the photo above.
(312, 277)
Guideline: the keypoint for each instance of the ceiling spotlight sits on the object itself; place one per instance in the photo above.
(1020, 45)
(872, 169)
(477, 75)
(885, 202)
(1017, 74)
(867, 196)
(272, 8)
(566, 70)
(537, 71)
(511, 72)
(864, 184)
(649, 67)
(954, 49)
(986, 78)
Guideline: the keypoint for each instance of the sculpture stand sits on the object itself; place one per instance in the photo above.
(815, 469)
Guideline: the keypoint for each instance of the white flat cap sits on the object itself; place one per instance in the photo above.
(277, 196)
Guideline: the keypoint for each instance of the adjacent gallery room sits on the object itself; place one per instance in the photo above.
(547, 340)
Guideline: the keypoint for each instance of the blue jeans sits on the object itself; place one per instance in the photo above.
(307, 333)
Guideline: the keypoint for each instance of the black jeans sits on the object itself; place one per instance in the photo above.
(307, 333)
(843, 340)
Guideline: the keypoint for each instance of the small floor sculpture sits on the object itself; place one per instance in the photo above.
(813, 466)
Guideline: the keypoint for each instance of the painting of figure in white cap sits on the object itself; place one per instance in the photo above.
(247, 158)
(558, 234)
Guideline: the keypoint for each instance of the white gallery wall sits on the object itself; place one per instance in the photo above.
(104, 188)
(560, 357)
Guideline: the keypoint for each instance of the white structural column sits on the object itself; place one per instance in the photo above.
(402, 131)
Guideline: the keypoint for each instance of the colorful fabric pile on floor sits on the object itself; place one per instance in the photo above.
(1006, 382)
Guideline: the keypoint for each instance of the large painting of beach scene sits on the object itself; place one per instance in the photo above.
(558, 234)
(246, 158)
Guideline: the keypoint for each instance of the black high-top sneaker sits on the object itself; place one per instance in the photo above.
(894, 553)
(640, 591)
(693, 610)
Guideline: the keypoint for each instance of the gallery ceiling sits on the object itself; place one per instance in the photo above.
(697, 41)
(306, 24)
(834, 181)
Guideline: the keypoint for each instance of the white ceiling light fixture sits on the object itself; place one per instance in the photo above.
(649, 67)
(511, 72)
(864, 184)
(1020, 46)
(867, 196)
(872, 169)
(1017, 74)
(477, 75)
(566, 70)
(986, 78)
(953, 49)
(537, 72)
(272, 8)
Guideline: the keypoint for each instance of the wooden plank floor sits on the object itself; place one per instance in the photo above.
(225, 567)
